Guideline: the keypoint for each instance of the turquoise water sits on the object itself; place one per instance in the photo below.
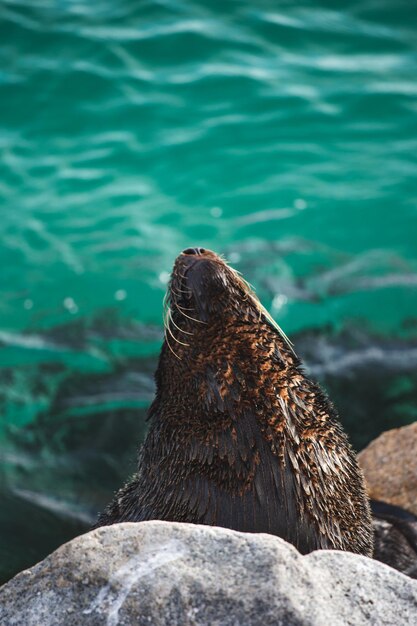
(280, 134)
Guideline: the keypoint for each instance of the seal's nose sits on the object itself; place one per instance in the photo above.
(198, 251)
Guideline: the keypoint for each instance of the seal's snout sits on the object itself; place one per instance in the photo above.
(197, 282)
(196, 251)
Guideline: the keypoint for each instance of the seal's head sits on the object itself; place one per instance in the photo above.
(205, 291)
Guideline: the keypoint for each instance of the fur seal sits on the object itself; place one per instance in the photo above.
(239, 436)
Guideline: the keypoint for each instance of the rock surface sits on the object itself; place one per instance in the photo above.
(159, 573)
(390, 467)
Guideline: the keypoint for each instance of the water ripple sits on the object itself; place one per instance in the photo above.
(129, 131)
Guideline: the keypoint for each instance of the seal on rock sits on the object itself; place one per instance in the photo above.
(239, 436)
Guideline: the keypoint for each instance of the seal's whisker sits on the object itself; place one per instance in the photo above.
(165, 301)
(174, 302)
(184, 308)
(164, 317)
(169, 346)
(187, 291)
(189, 317)
(174, 337)
(221, 260)
(167, 328)
(167, 318)
(176, 326)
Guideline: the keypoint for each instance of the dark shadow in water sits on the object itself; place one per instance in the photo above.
(29, 532)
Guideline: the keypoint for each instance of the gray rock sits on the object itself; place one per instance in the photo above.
(159, 573)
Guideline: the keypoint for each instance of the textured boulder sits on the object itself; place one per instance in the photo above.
(180, 574)
(390, 467)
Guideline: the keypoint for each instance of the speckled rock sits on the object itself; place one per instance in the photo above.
(390, 467)
(160, 573)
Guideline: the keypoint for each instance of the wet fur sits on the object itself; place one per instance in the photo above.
(239, 436)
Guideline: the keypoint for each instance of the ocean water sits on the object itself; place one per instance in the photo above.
(280, 134)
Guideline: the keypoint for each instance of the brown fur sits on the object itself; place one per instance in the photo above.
(239, 436)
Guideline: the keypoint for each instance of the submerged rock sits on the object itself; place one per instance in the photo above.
(172, 574)
(390, 467)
